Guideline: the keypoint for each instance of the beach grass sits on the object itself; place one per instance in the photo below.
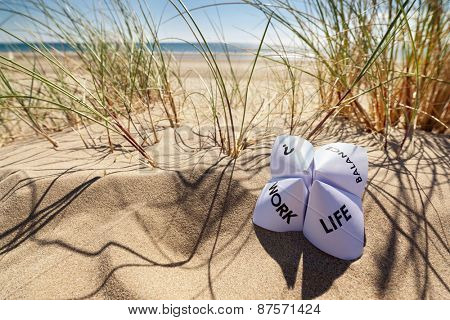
(379, 65)
(383, 65)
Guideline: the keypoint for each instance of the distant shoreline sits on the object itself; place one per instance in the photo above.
(176, 47)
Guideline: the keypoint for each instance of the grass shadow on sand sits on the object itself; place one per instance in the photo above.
(39, 218)
(200, 239)
(209, 223)
(205, 237)
(404, 196)
(403, 189)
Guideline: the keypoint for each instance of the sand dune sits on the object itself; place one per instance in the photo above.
(87, 224)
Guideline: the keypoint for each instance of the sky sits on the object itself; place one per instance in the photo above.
(240, 23)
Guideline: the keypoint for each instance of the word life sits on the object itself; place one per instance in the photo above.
(347, 160)
(335, 219)
(283, 210)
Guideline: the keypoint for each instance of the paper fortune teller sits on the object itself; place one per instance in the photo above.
(317, 192)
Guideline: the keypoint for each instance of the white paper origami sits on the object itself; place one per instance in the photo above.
(317, 192)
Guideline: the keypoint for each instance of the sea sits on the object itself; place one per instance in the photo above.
(176, 47)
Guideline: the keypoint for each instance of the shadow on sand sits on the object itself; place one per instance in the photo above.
(405, 207)
(319, 270)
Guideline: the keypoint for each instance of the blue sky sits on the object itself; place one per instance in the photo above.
(240, 23)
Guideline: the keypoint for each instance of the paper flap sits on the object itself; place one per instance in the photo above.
(292, 156)
(281, 205)
(334, 221)
(342, 165)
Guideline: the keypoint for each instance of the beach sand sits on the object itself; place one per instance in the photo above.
(79, 223)
(83, 223)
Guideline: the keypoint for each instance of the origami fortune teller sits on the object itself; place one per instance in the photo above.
(317, 192)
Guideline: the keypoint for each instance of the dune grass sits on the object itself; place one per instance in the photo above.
(119, 78)
(380, 65)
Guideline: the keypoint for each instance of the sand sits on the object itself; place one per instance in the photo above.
(79, 223)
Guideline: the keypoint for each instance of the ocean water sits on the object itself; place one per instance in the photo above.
(167, 46)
